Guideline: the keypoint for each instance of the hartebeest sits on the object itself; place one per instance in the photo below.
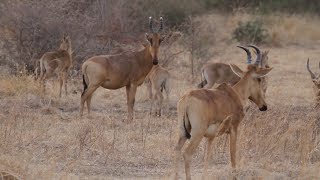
(156, 81)
(57, 62)
(316, 83)
(221, 73)
(212, 112)
(127, 69)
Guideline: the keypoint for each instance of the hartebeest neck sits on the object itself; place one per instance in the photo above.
(242, 89)
(145, 59)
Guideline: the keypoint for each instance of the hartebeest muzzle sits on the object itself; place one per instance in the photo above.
(263, 108)
(155, 61)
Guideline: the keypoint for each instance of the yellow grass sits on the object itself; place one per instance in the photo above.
(42, 137)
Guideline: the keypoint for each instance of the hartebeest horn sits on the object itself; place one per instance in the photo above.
(161, 24)
(150, 24)
(249, 57)
(311, 73)
(258, 60)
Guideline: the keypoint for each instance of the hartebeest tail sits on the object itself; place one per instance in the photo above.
(184, 119)
(212, 112)
(203, 80)
(85, 85)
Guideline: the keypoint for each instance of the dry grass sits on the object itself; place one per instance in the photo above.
(42, 137)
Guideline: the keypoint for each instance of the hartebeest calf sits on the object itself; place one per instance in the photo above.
(127, 69)
(156, 81)
(57, 62)
(316, 83)
(212, 112)
(221, 73)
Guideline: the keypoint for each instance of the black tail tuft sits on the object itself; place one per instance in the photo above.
(188, 135)
(85, 86)
(202, 84)
(163, 86)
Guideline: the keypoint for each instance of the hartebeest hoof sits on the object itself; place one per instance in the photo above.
(129, 119)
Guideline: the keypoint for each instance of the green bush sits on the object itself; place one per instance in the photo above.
(251, 32)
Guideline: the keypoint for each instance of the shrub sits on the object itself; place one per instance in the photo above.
(251, 32)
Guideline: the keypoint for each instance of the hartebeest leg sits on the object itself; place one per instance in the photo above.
(87, 94)
(181, 141)
(187, 155)
(89, 103)
(60, 83)
(42, 82)
(159, 103)
(131, 93)
(207, 157)
(149, 89)
(167, 89)
(65, 80)
(233, 142)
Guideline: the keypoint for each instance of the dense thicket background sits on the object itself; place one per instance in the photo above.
(28, 28)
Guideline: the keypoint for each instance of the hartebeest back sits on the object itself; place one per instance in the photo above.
(127, 69)
(212, 112)
(157, 81)
(218, 73)
(57, 62)
(316, 83)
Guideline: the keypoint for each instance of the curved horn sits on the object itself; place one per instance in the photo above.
(258, 60)
(161, 24)
(249, 57)
(150, 24)
(311, 73)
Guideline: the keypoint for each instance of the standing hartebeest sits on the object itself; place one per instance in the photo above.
(57, 62)
(316, 83)
(213, 112)
(127, 69)
(156, 81)
(221, 73)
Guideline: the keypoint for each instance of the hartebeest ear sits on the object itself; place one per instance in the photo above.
(149, 38)
(235, 69)
(315, 81)
(162, 38)
(261, 72)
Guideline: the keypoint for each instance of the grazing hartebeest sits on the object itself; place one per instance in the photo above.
(213, 112)
(156, 81)
(57, 62)
(127, 69)
(316, 83)
(221, 73)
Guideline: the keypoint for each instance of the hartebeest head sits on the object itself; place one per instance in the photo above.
(315, 78)
(155, 39)
(65, 43)
(253, 77)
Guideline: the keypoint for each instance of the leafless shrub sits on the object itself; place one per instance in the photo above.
(199, 38)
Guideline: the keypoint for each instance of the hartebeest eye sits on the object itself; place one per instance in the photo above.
(259, 79)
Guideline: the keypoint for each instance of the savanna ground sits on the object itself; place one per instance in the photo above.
(42, 137)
